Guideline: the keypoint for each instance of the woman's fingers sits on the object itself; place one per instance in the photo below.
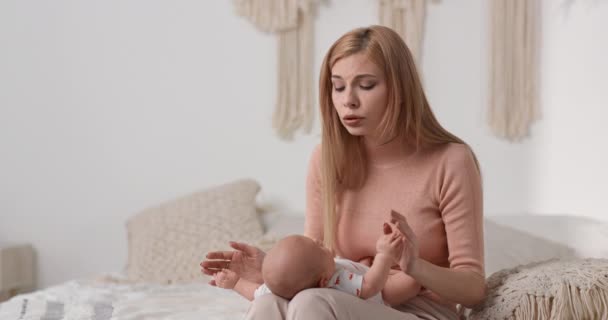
(210, 271)
(215, 264)
(397, 227)
(247, 249)
(399, 239)
(397, 236)
(400, 222)
(407, 231)
(220, 255)
(396, 216)
(406, 235)
(394, 241)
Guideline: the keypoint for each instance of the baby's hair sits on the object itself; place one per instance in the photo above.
(287, 269)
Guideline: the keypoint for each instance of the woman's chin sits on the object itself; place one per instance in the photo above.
(355, 131)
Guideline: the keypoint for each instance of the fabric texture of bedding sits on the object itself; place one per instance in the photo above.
(107, 298)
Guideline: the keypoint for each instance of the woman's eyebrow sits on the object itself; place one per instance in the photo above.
(365, 75)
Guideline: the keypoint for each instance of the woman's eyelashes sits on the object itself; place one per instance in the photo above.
(364, 87)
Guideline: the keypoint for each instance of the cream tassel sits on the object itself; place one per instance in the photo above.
(407, 18)
(292, 21)
(552, 289)
(514, 102)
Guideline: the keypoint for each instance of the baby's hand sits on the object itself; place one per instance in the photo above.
(226, 279)
(390, 243)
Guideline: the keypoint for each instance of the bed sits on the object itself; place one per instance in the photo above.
(106, 297)
(139, 293)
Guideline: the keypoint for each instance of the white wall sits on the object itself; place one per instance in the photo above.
(569, 152)
(110, 107)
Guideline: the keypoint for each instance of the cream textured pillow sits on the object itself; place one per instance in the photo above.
(553, 289)
(167, 242)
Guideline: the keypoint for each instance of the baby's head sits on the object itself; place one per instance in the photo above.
(296, 263)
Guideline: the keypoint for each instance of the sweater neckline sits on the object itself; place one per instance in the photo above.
(388, 155)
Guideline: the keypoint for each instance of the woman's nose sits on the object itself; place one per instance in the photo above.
(350, 99)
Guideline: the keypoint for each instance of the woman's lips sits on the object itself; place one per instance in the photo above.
(352, 121)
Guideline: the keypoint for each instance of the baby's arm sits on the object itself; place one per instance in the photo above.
(246, 288)
(399, 288)
(388, 246)
(375, 278)
(228, 279)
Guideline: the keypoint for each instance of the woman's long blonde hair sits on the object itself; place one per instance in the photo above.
(408, 115)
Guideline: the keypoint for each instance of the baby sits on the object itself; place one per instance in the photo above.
(297, 262)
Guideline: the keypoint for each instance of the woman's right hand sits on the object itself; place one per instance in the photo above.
(411, 251)
(245, 261)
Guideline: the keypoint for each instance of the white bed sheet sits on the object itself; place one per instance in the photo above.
(103, 300)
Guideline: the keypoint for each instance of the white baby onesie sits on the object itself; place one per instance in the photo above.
(348, 278)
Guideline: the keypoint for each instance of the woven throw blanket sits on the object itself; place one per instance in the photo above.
(553, 289)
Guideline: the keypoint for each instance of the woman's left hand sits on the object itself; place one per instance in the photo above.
(246, 261)
(410, 248)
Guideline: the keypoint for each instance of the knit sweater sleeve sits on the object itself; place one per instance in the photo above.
(461, 206)
(313, 226)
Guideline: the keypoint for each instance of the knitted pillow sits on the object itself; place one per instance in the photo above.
(552, 289)
(168, 242)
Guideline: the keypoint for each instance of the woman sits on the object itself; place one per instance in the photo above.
(382, 150)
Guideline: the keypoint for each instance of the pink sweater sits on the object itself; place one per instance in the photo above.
(437, 189)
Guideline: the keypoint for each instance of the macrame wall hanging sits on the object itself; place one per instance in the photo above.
(514, 65)
(407, 18)
(514, 34)
(292, 21)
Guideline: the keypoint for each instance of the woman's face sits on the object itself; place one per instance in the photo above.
(359, 94)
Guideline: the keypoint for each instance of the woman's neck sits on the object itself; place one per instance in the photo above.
(386, 154)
